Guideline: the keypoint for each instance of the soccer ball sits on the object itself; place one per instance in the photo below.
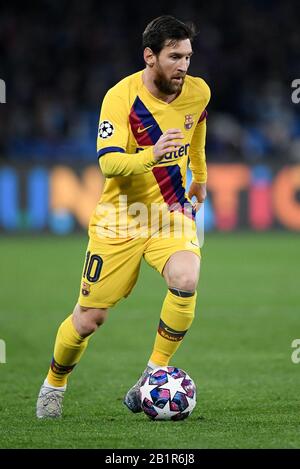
(168, 393)
(106, 129)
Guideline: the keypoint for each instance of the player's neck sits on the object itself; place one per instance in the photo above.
(152, 88)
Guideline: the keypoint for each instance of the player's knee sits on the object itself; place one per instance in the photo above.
(183, 280)
(188, 283)
(87, 320)
(90, 320)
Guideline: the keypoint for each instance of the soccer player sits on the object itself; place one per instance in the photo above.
(151, 124)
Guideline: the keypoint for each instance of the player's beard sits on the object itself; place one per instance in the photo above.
(167, 86)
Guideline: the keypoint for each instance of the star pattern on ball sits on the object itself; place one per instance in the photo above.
(164, 412)
(168, 393)
(173, 385)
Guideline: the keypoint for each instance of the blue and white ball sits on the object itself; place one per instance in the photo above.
(168, 393)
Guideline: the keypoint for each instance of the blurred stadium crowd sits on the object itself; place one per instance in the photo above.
(58, 58)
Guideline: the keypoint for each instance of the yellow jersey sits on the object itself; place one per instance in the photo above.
(131, 122)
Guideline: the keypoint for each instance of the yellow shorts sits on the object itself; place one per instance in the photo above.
(111, 267)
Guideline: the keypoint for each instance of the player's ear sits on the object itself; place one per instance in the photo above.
(149, 57)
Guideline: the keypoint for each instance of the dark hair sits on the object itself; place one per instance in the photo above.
(166, 27)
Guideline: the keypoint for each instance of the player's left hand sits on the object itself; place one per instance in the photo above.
(198, 190)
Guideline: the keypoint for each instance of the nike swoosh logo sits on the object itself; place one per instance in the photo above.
(139, 130)
(172, 332)
(194, 244)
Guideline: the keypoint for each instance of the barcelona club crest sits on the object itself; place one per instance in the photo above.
(188, 123)
(85, 289)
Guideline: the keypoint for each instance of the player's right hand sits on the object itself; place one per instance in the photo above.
(168, 141)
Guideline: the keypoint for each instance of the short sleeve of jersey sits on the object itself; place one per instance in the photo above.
(113, 125)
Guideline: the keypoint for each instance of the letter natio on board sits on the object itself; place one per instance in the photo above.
(269, 197)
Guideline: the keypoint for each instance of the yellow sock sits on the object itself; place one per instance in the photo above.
(177, 315)
(68, 349)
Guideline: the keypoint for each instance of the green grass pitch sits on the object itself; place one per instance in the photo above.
(238, 350)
